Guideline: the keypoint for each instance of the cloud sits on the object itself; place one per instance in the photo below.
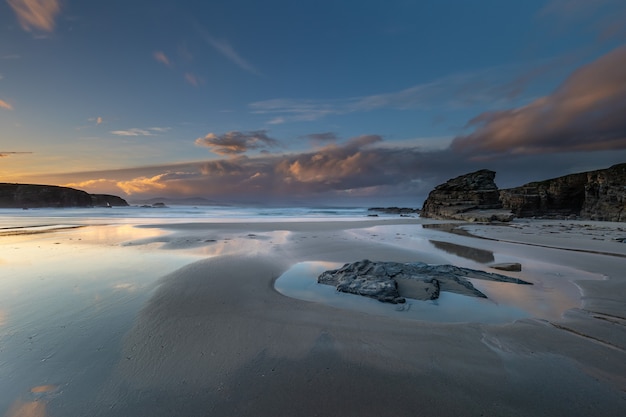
(585, 113)
(36, 14)
(6, 154)
(232, 143)
(140, 132)
(606, 19)
(226, 49)
(90, 183)
(5, 105)
(456, 91)
(322, 137)
(162, 58)
(193, 79)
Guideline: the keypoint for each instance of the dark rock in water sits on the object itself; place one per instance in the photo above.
(370, 279)
(382, 280)
(470, 197)
(508, 266)
(402, 211)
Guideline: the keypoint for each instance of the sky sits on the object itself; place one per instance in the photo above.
(320, 102)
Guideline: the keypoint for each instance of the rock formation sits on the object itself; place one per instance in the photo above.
(393, 281)
(470, 197)
(561, 197)
(39, 196)
(605, 194)
(593, 195)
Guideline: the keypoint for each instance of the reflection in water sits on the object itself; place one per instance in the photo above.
(67, 297)
(548, 298)
(479, 255)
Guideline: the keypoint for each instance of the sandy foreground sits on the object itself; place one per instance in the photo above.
(214, 337)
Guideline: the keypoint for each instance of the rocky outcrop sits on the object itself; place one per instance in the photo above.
(393, 281)
(470, 197)
(107, 200)
(592, 195)
(39, 196)
(605, 194)
(559, 197)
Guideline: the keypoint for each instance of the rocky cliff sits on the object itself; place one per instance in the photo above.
(36, 196)
(557, 197)
(593, 195)
(472, 197)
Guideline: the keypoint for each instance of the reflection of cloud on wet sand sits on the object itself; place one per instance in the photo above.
(35, 407)
(27, 409)
(553, 292)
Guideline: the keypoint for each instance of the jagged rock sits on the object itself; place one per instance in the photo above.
(39, 196)
(469, 197)
(422, 281)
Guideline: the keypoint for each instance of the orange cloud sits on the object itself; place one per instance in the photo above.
(586, 113)
(36, 14)
(193, 79)
(5, 105)
(141, 185)
(162, 58)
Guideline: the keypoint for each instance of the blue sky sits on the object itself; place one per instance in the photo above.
(325, 102)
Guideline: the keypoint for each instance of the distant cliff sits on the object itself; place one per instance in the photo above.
(593, 195)
(38, 196)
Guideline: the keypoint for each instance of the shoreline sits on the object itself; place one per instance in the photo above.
(215, 336)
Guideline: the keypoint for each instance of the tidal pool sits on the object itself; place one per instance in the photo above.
(548, 298)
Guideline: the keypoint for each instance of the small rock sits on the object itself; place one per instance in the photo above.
(508, 266)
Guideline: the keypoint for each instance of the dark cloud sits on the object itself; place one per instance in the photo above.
(586, 113)
(6, 154)
(322, 137)
(362, 171)
(233, 143)
(604, 19)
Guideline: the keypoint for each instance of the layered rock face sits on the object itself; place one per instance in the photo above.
(593, 195)
(36, 196)
(605, 194)
(563, 196)
(472, 197)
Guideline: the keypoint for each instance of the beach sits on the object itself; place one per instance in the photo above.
(186, 317)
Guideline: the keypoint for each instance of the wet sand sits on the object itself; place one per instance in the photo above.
(215, 338)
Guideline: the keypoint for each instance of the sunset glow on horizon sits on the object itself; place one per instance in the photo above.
(323, 102)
